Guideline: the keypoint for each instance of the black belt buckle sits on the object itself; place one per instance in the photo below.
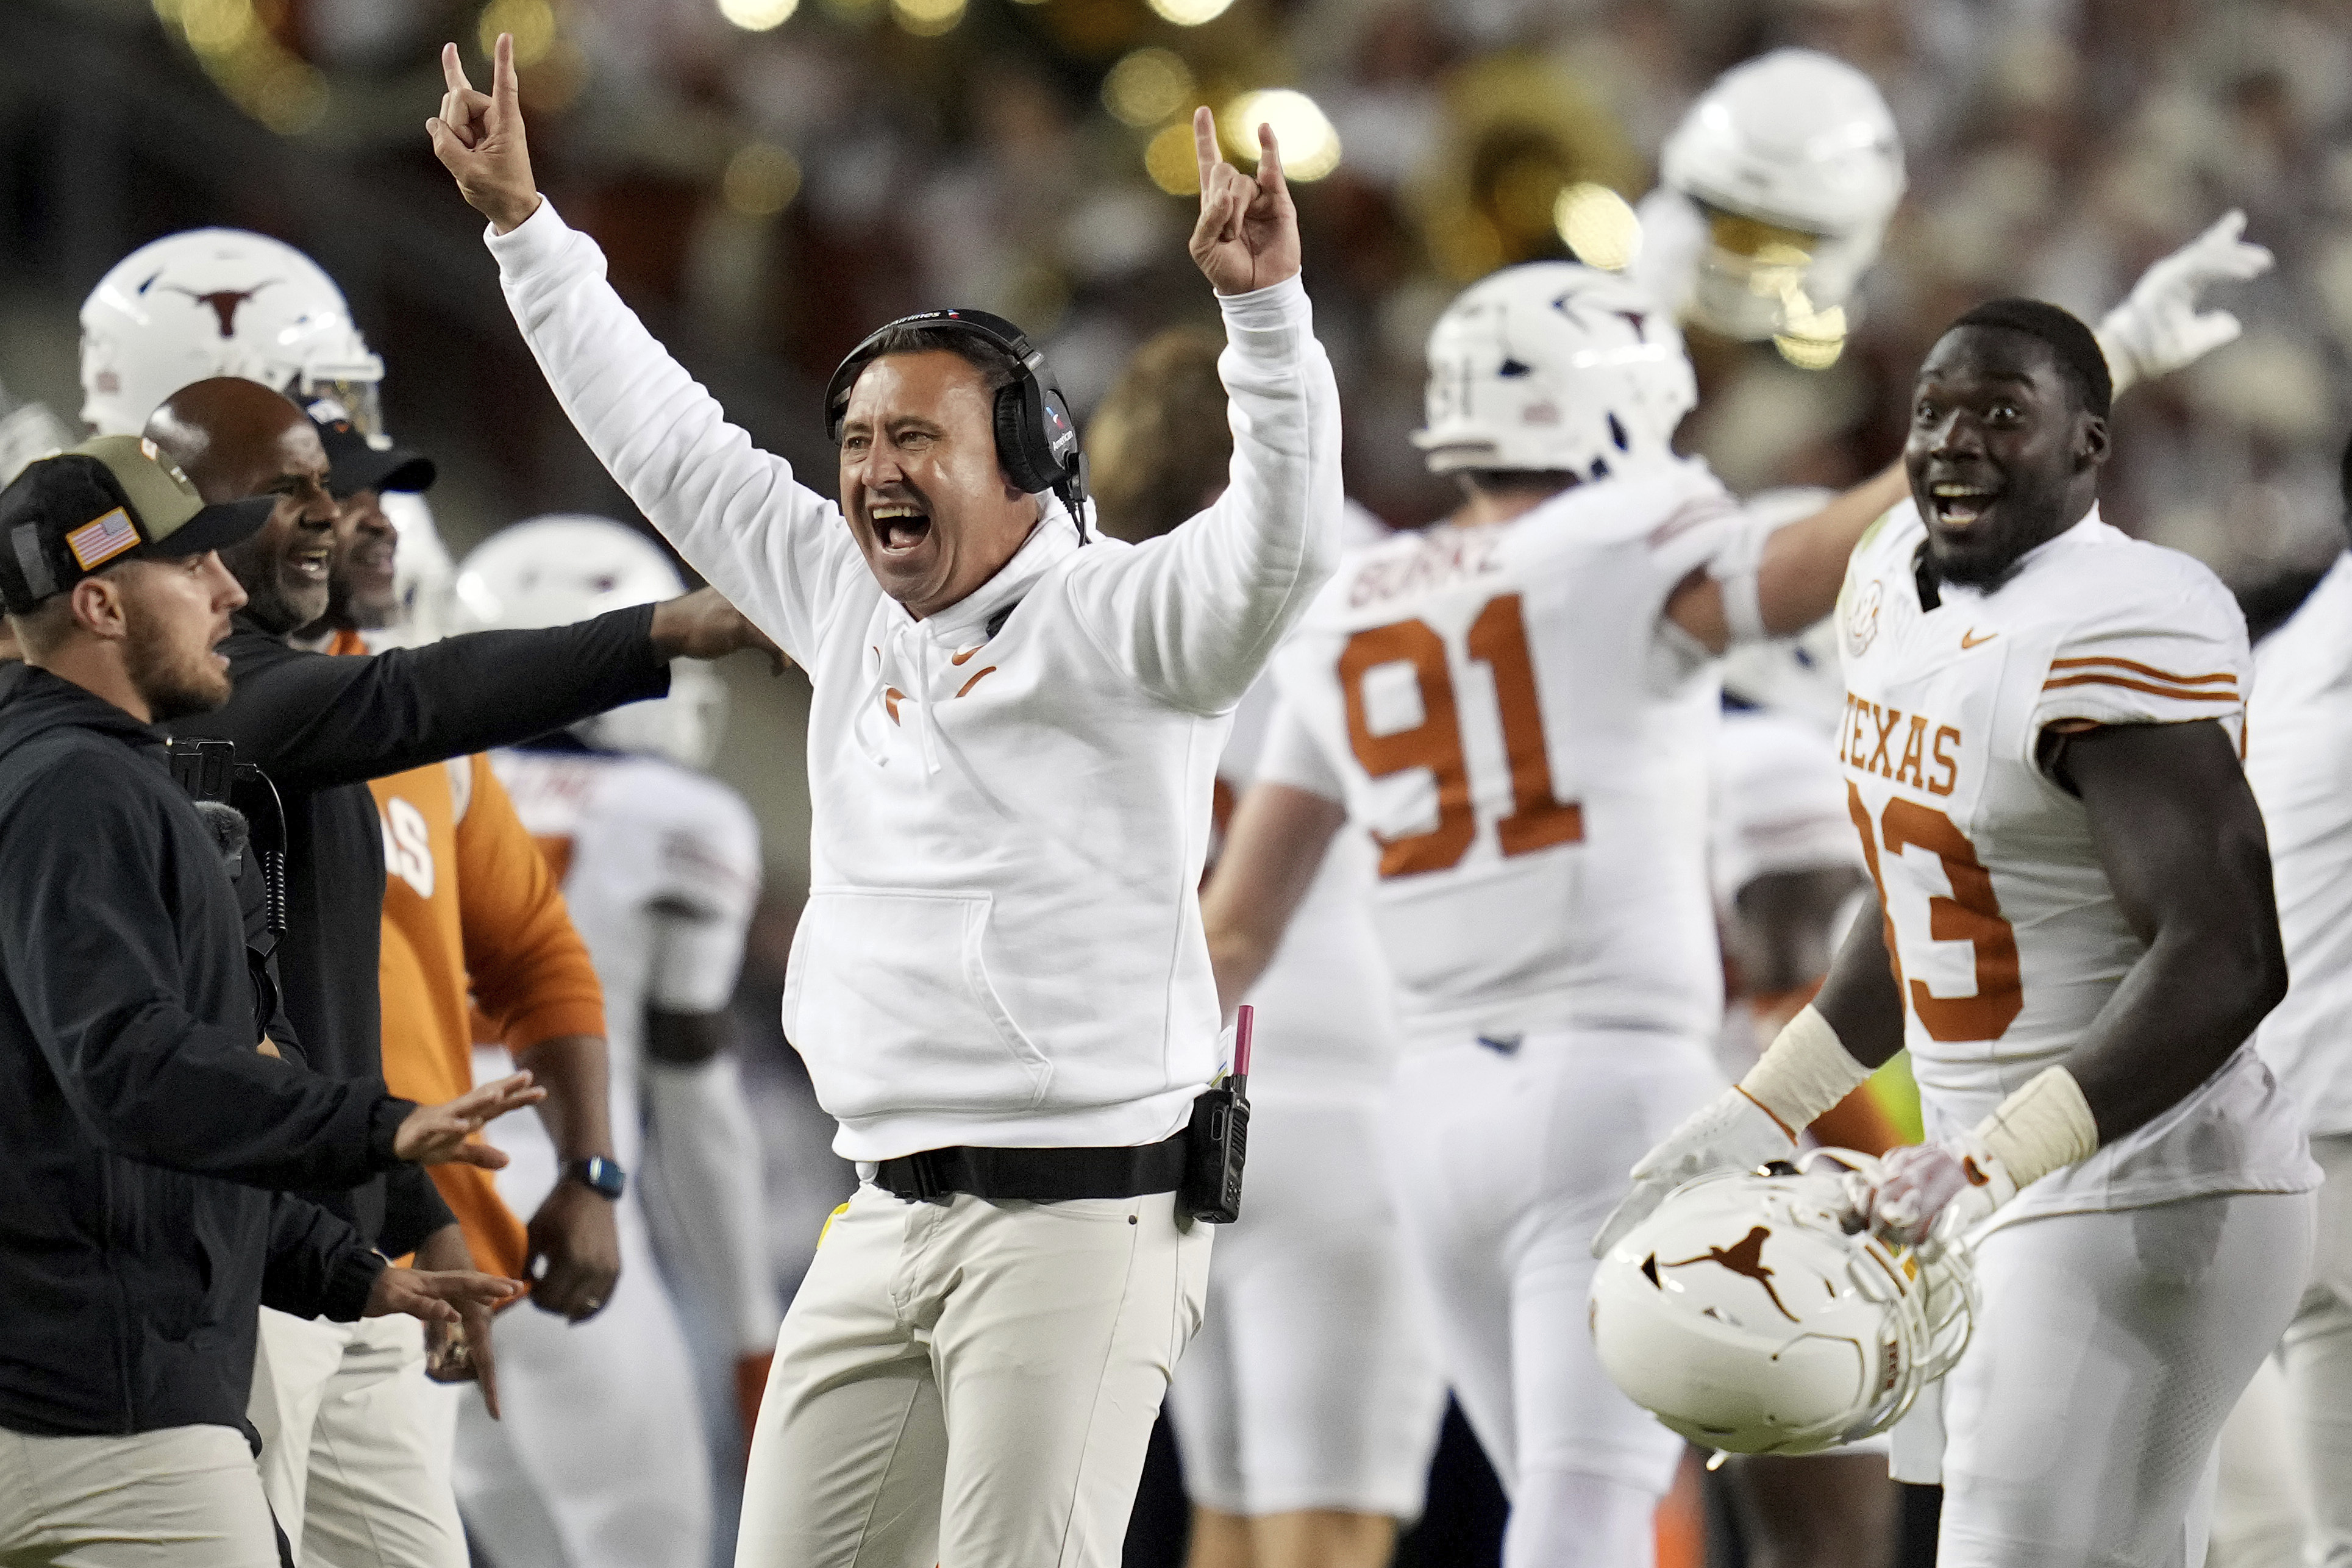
(924, 1175)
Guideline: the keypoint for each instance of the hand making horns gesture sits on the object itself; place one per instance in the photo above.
(478, 138)
(1248, 234)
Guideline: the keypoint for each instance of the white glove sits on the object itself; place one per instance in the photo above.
(1935, 1193)
(1730, 1133)
(2158, 328)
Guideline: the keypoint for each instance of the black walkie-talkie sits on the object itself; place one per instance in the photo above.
(1217, 1141)
(209, 772)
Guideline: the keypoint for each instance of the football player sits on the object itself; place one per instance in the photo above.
(659, 864)
(1308, 1405)
(2298, 757)
(2075, 938)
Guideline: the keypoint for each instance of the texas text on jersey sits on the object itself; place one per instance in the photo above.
(1998, 916)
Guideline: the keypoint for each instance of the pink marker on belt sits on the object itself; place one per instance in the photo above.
(1244, 1019)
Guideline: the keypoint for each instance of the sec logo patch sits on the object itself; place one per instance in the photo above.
(1861, 621)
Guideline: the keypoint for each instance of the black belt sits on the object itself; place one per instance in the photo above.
(1036, 1175)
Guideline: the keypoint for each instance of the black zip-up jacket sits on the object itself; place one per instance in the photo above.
(137, 1123)
(321, 726)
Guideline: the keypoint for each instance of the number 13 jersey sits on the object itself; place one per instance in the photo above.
(1506, 710)
(2006, 938)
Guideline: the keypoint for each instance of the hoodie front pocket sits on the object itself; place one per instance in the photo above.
(889, 1001)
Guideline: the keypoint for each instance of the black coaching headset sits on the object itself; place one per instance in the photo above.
(1037, 440)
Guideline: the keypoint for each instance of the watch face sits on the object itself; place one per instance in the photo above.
(603, 1175)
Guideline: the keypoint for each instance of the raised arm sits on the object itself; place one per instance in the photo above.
(1195, 616)
(769, 543)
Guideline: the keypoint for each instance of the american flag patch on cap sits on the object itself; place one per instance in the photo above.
(99, 541)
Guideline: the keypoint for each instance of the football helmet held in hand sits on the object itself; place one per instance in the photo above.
(1752, 1314)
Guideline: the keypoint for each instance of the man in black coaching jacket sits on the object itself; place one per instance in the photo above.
(143, 1123)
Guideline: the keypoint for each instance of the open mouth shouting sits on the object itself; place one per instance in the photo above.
(1960, 504)
(899, 525)
(307, 564)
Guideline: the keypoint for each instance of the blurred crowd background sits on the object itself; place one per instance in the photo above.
(772, 178)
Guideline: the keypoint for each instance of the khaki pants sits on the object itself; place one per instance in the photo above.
(355, 1451)
(971, 1384)
(186, 1497)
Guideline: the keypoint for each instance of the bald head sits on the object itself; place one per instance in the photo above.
(236, 438)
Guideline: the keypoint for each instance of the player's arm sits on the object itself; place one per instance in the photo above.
(772, 545)
(1194, 616)
(1276, 845)
(2181, 840)
(532, 974)
(706, 1169)
(1779, 582)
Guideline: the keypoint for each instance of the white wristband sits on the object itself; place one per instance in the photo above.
(1805, 1072)
(2041, 1127)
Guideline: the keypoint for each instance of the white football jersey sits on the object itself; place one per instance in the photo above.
(1508, 714)
(660, 867)
(2299, 759)
(2007, 937)
(1780, 800)
(1327, 1015)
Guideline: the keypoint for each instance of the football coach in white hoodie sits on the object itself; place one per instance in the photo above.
(1000, 982)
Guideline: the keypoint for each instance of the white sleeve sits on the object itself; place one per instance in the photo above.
(708, 867)
(1291, 756)
(2163, 644)
(704, 1160)
(774, 547)
(1194, 616)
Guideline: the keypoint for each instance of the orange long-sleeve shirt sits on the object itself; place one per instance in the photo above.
(468, 905)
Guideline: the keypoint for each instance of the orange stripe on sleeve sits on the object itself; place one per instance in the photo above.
(2179, 693)
(2220, 677)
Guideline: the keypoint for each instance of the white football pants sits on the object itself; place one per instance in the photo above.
(183, 1497)
(354, 1452)
(2318, 1354)
(2261, 1515)
(1506, 1161)
(1313, 1382)
(2109, 1350)
(600, 1460)
(971, 1384)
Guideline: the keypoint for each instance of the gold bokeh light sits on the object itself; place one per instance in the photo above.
(1146, 87)
(1598, 226)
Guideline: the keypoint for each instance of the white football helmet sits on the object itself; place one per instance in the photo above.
(1554, 366)
(1775, 192)
(220, 302)
(1745, 1316)
(552, 570)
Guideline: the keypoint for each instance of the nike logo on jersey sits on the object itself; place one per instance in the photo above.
(1970, 639)
(1745, 1258)
(958, 657)
(1867, 740)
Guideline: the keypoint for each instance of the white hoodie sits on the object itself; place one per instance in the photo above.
(1003, 940)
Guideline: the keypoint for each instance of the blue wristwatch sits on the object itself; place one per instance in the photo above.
(599, 1176)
